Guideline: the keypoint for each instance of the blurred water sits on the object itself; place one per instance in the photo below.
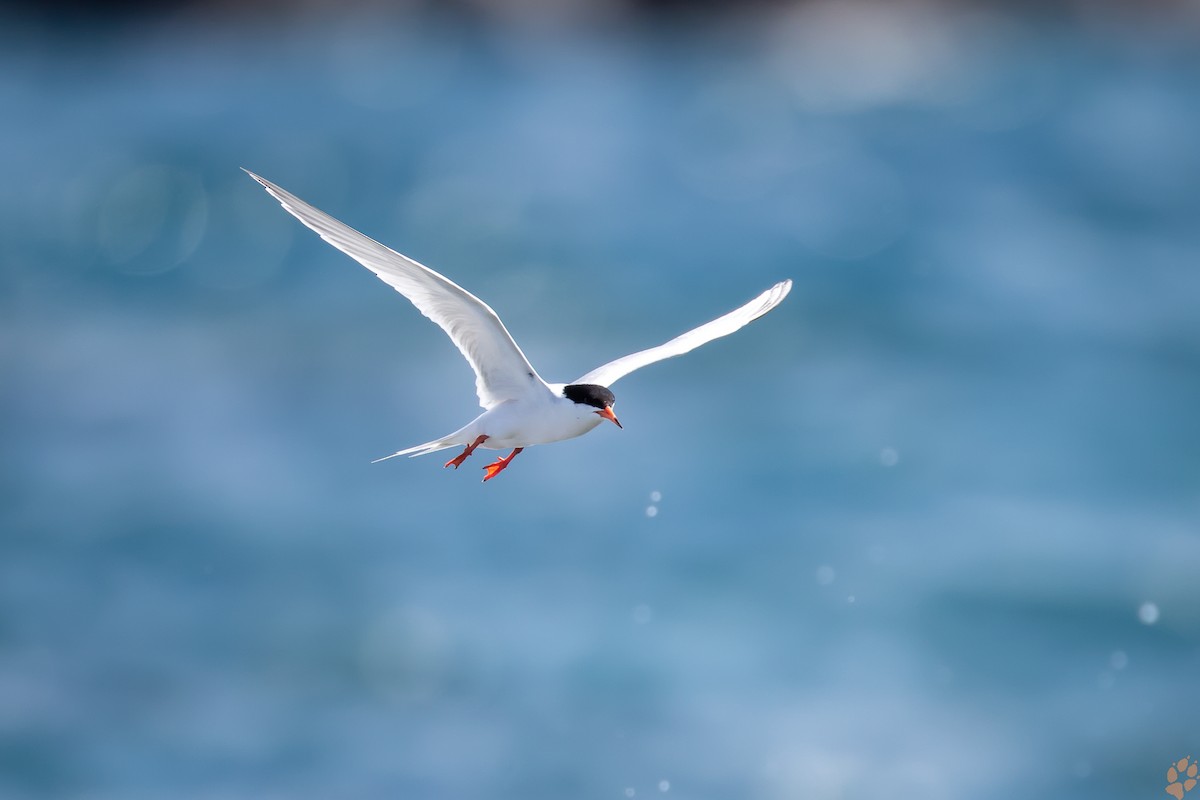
(928, 530)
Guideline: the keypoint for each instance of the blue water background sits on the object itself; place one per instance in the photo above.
(928, 530)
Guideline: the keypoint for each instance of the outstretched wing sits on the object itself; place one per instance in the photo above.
(501, 370)
(611, 372)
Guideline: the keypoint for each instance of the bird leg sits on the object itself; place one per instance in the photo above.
(499, 464)
(461, 457)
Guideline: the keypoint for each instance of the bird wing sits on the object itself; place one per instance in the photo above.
(501, 370)
(611, 372)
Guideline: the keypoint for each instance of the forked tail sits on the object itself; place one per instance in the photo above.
(420, 450)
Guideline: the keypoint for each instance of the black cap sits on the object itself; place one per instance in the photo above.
(589, 394)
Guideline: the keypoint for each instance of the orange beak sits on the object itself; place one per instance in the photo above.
(610, 416)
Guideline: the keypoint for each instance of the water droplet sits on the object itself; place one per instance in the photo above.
(1118, 660)
(656, 496)
(664, 786)
(1148, 613)
(825, 575)
(651, 511)
(888, 457)
(629, 792)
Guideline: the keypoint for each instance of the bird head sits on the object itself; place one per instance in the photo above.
(598, 397)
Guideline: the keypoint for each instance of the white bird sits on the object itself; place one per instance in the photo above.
(520, 409)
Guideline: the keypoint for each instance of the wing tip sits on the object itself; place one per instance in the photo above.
(773, 296)
(271, 188)
(289, 201)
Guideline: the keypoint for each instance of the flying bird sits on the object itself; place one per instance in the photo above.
(519, 408)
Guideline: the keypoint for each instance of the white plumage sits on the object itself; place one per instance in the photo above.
(520, 409)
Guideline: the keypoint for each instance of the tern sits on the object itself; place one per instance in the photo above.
(519, 408)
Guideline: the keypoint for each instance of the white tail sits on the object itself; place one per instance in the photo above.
(419, 450)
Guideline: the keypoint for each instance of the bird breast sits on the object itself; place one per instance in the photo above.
(521, 424)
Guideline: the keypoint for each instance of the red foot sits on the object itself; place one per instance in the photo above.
(461, 457)
(498, 466)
